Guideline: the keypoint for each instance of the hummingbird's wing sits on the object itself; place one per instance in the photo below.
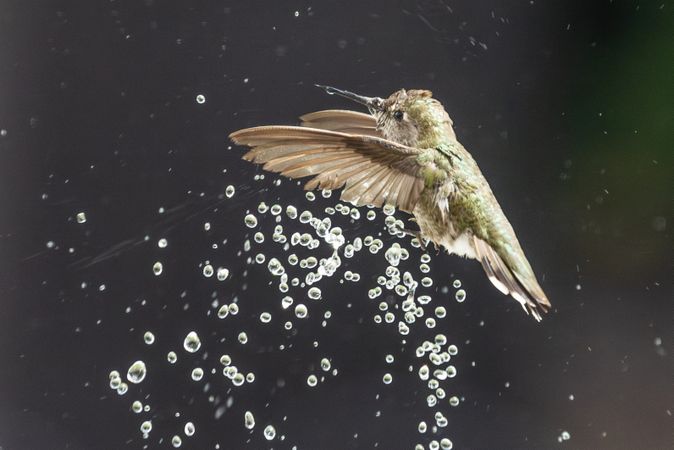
(509, 270)
(342, 120)
(375, 171)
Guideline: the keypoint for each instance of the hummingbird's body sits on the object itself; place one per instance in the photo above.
(404, 153)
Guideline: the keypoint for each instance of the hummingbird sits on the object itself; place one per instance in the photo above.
(403, 152)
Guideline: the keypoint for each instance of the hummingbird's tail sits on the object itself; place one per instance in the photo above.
(515, 278)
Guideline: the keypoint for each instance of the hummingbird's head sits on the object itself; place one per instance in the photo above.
(411, 117)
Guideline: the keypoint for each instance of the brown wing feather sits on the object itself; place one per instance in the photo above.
(532, 298)
(342, 120)
(374, 170)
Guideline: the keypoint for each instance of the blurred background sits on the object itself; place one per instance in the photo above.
(566, 106)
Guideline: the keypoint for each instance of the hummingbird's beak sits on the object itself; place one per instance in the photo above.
(374, 104)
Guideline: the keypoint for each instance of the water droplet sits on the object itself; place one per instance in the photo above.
(286, 302)
(223, 311)
(388, 378)
(148, 337)
(176, 441)
(197, 373)
(136, 372)
(146, 427)
(460, 295)
(208, 271)
(201, 99)
(137, 407)
(222, 273)
(189, 429)
(265, 317)
(81, 217)
(249, 420)
(243, 337)
(314, 293)
(312, 380)
(250, 221)
(269, 432)
(192, 343)
(301, 311)
(171, 357)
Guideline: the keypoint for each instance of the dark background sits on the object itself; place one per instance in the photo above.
(567, 107)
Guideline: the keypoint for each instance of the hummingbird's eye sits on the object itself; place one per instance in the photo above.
(398, 115)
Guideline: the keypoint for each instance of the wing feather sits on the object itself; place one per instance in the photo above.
(341, 120)
(372, 169)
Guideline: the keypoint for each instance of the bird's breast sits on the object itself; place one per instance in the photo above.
(434, 217)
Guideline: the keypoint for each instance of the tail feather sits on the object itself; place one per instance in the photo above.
(523, 288)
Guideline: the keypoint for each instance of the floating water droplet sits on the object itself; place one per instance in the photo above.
(312, 380)
(146, 427)
(286, 302)
(265, 317)
(176, 441)
(192, 343)
(157, 268)
(222, 273)
(301, 311)
(208, 271)
(137, 407)
(136, 372)
(162, 243)
(269, 432)
(238, 379)
(81, 217)
(250, 221)
(243, 337)
(422, 427)
(201, 99)
(122, 389)
(460, 295)
(171, 357)
(388, 378)
(456, 284)
(230, 191)
(189, 429)
(223, 311)
(314, 293)
(197, 373)
(148, 337)
(249, 420)
(325, 364)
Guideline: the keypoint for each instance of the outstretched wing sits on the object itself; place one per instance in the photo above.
(342, 120)
(375, 171)
(512, 274)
